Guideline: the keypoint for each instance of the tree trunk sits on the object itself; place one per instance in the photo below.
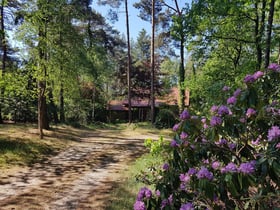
(4, 56)
(153, 64)
(259, 30)
(61, 104)
(128, 64)
(268, 33)
(93, 103)
(43, 122)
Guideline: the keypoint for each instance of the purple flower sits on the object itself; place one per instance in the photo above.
(164, 203)
(173, 143)
(226, 88)
(223, 110)
(277, 146)
(273, 133)
(184, 135)
(165, 166)
(214, 109)
(176, 127)
(157, 193)
(247, 168)
(232, 146)
(204, 173)
(231, 167)
(237, 92)
(258, 75)
(216, 165)
(139, 205)
(215, 121)
(250, 112)
(170, 199)
(144, 192)
(191, 171)
(274, 67)
(187, 206)
(203, 120)
(148, 193)
(185, 115)
(231, 100)
(184, 177)
(257, 141)
(249, 78)
(221, 142)
(242, 120)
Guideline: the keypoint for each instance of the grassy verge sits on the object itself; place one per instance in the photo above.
(124, 193)
(20, 144)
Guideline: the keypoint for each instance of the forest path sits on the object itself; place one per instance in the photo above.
(79, 177)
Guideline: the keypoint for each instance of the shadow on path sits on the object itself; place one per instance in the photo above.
(78, 177)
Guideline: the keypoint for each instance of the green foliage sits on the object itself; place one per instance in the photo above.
(227, 160)
(166, 117)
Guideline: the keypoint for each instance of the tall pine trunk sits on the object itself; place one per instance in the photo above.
(4, 56)
(268, 33)
(43, 122)
(128, 65)
(153, 64)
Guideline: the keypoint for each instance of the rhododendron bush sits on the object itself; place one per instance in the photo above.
(227, 160)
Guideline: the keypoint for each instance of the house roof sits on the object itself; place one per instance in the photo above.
(170, 99)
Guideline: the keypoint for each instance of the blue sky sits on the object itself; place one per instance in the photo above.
(136, 24)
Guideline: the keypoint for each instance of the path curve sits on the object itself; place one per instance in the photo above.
(79, 177)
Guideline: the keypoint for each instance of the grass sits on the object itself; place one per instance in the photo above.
(124, 193)
(20, 144)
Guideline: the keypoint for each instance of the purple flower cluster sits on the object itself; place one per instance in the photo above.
(187, 206)
(273, 133)
(176, 127)
(144, 192)
(216, 165)
(237, 92)
(214, 108)
(185, 178)
(274, 67)
(165, 166)
(226, 88)
(183, 135)
(250, 112)
(204, 173)
(232, 100)
(185, 115)
(173, 143)
(166, 202)
(215, 120)
(139, 205)
(223, 110)
(230, 167)
(247, 168)
(252, 78)
(221, 142)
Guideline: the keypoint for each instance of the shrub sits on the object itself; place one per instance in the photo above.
(229, 160)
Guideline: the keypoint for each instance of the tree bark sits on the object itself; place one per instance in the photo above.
(153, 64)
(268, 33)
(61, 104)
(259, 30)
(128, 64)
(4, 55)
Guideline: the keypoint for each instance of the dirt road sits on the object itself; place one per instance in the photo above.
(79, 177)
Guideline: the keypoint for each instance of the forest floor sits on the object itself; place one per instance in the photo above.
(80, 176)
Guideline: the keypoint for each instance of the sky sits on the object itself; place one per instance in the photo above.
(136, 24)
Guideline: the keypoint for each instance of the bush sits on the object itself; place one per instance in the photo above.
(229, 160)
(166, 117)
